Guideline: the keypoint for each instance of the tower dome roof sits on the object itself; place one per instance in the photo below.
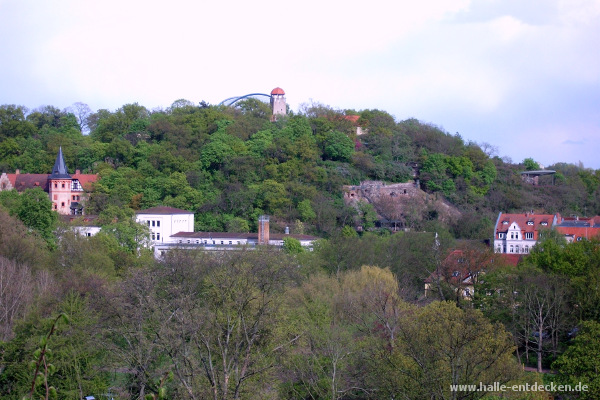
(277, 91)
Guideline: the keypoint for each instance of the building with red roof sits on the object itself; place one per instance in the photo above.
(66, 191)
(278, 106)
(578, 228)
(518, 233)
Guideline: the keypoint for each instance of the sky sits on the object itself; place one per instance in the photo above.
(522, 76)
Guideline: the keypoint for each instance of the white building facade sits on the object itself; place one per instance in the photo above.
(518, 233)
(163, 222)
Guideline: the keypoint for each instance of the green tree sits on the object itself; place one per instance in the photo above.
(35, 210)
(579, 364)
(530, 164)
(306, 211)
(337, 146)
(292, 245)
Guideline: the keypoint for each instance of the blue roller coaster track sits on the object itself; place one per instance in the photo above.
(232, 100)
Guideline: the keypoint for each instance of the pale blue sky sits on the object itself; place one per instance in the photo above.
(521, 75)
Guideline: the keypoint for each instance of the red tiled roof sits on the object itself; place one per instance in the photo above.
(163, 210)
(510, 259)
(587, 232)
(352, 118)
(85, 180)
(527, 222)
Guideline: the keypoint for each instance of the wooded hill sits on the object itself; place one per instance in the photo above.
(230, 165)
(86, 316)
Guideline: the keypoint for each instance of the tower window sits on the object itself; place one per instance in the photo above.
(63, 185)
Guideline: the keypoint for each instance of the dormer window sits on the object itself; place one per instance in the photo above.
(505, 222)
(544, 223)
(501, 235)
(529, 222)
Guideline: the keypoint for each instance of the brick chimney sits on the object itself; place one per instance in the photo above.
(263, 229)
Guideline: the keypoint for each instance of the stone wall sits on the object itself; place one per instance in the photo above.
(400, 205)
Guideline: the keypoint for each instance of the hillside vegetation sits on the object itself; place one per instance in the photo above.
(86, 316)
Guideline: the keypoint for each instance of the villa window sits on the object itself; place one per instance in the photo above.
(512, 250)
(526, 249)
(529, 235)
(157, 223)
(153, 236)
(158, 236)
(153, 223)
(501, 236)
(516, 248)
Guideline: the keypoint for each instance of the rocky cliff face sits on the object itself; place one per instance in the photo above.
(400, 205)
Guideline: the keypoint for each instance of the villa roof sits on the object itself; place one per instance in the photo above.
(527, 222)
(28, 181)
(86, 180)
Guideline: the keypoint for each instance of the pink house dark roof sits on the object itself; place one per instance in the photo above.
(28, 181)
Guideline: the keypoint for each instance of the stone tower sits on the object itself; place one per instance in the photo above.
(278, 106)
